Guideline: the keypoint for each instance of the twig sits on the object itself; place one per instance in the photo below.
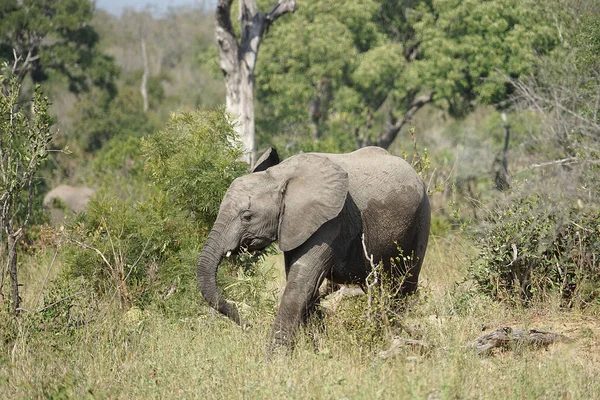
(582, 227)
(61, 300)
(37, 301)
(514, 248)
(372, 275)
(568, 160)
(88, 247)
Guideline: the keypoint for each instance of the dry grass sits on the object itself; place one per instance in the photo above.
(145, 355)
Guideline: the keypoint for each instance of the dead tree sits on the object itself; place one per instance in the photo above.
(238, 60)
(500, 167)
(144, 85)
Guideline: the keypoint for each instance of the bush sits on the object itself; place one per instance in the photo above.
(534, 245)
(143, 249)
(195, 159)
(117, 245)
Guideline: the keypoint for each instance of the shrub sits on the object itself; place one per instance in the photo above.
(540, 242)
(143, 249)
(195, 159)
(368, 321)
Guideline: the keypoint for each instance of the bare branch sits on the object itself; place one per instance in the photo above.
(372, 279)
(393, 127)
(21, 71)
(88, 247)
(506, 337)
(515, 254)
(60, 301)
(16, 63)
(224, 16)
(564, 161)
(282, 7)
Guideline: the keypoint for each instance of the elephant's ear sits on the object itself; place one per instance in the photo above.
(267, 160)
(314, 192)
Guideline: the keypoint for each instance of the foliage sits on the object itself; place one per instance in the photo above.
(121, 157)
(537, 243)
(101, 117)
(246, 281)
(336, 72)
(54, 37)
(469, 46)
(194, 158)
(545, 234)
(142, 248)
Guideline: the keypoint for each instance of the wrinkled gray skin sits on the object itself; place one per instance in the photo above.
(318, 206)
(72, 199)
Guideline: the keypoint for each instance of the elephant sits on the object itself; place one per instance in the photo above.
(63, 198)
(322, 209)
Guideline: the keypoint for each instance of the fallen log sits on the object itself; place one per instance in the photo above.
(505, 338)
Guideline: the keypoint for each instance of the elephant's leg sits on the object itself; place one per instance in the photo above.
(413, 267)
(419, 248)
(306, 271)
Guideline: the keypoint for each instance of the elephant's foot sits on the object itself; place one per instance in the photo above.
(280, 343)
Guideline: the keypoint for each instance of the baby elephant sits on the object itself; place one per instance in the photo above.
(318, 207)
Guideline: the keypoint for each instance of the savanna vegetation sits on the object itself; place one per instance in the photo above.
(495, 103)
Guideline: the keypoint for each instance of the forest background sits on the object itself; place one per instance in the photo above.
(494, 102)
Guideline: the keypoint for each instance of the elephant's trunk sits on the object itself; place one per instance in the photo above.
(211, 256)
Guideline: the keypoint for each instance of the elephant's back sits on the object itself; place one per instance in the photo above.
(376, 176)
(389, 193)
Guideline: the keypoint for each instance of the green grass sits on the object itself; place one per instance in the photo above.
(143, 354)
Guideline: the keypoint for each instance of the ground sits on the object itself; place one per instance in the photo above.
(143, 354)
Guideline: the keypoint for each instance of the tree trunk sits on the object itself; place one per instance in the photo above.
(318, 108)
(238, 60)
(3, 271)
(12, 270)
(240, 104)
(501, 177)
(144, 85)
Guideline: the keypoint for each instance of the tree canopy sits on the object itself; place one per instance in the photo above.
(44, 37)
(359, 71)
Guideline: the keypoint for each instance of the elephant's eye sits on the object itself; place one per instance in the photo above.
(246, 216)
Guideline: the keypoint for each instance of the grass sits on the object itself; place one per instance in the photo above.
(143, 354)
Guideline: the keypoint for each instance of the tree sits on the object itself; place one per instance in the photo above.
(361, 71)
(42, 37)
(100, 117)
(24, 145)
(238, 59)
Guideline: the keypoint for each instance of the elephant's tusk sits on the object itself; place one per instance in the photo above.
(228, 254)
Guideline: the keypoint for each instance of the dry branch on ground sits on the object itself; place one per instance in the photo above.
(506, 337)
